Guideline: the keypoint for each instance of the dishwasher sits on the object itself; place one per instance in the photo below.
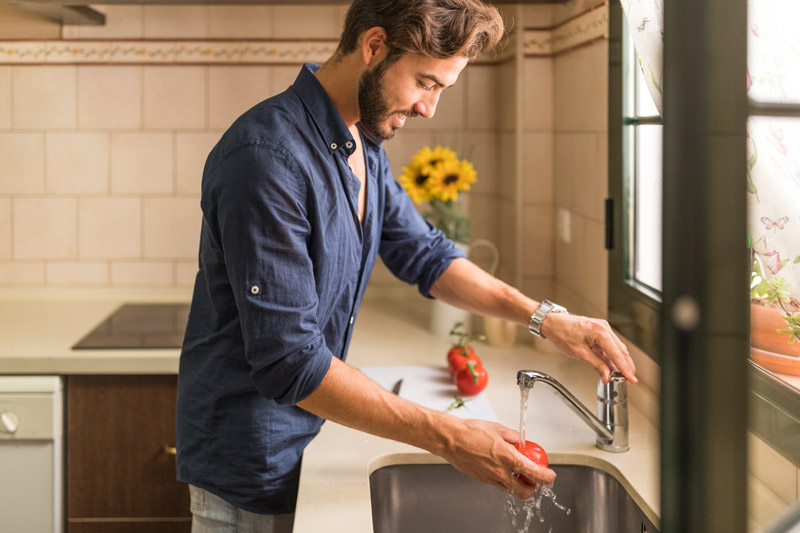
(31, 454)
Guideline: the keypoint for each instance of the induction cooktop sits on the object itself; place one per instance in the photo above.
(139, 326)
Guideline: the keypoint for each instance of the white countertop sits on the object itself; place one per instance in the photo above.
(334, 484)
(38, 328)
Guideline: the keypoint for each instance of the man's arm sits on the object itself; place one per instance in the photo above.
(591, 340)
(483, 450)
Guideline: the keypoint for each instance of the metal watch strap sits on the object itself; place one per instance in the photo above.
(545, 308)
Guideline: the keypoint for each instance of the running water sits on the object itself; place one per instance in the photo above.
(523, 411)
(523, 512)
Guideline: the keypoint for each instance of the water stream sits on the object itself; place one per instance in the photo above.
(523, 512)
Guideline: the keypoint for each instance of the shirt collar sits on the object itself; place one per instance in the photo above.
(322, 111)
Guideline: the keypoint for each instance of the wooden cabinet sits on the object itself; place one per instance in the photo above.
(119, 476)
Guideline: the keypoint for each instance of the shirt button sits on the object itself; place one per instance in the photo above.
(254, 289)
(334, 146)
(351, 319)
(349, 144)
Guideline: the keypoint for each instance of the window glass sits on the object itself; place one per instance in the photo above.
(647, 205)
(773, 50)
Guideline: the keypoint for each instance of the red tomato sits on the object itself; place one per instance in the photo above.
(535, 453)
(471, 379)
(458, 351)
(459, 360)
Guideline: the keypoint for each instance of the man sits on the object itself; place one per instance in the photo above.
(298, 200)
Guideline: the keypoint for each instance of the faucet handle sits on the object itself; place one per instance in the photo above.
(616, 390)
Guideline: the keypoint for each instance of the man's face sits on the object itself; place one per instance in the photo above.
(388, 94)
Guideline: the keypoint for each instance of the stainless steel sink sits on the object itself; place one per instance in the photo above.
(420, 498)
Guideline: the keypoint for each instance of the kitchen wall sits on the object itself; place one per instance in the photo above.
(104, 132)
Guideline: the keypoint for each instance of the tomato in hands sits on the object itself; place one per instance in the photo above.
(535, 453)
(471, 379)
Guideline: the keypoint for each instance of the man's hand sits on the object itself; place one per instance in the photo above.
(591, 340)
(485, 451)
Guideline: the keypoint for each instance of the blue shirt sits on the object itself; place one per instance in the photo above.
(283, 264)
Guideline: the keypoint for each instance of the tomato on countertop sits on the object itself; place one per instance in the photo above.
(461, 352)
(535, 453)
(471, 379)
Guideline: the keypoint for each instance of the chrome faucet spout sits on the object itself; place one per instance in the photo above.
(612, 407)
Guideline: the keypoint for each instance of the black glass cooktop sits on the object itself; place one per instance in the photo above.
(137, 326)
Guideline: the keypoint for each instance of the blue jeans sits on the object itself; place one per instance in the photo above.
(212, 514)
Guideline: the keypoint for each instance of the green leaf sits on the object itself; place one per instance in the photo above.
(797, 260)
(751, 187)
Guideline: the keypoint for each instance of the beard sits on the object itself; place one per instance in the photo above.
(373, 105)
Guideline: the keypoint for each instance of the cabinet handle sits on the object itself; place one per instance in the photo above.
(170, 450)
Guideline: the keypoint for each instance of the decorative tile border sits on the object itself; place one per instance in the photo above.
(164, 52)
(575, 32)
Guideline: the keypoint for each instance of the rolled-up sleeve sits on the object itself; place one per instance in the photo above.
(260, 198)
(411, 247)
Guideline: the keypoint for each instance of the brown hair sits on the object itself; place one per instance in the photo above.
(436, 28)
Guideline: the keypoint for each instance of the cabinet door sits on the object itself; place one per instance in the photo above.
(117, 466)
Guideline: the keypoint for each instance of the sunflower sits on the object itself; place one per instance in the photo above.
(428, 159)
(415, 182)
(449, 177)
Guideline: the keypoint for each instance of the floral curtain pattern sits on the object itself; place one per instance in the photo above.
(773, 145)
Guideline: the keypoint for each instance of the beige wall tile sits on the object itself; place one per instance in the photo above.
(594, 275)
(77, 163)
(109, 97)
(191, 151)
(174, 97)
(573, 8)
(507, 245)
(109, 228)
(569, 256)
(22, 168)
(240, 22)
(588, 172)
(141, 273)
(564, 164)
(538, 166)
(5, 228)
(538, 16)
(507, 111)
(282, 77)
(76, 273)
(43, 97)
(507, 165)
(480, 148)
(175, 22)
(141, 162)
(315, 22)
(5, 98)
(581, 88)
(185, 272)
(234, 90)
(764, 506)
(537, 105)
(538, 288)
(481, 88)
(21, 273)
(122, 22)
(44, 228)
(537, 241)
(17, 23)
(772, 469)
(484, 217)
(171, 227)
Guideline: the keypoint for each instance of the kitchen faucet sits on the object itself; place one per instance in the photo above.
(611, 422)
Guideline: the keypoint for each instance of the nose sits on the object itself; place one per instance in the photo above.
(426, 106)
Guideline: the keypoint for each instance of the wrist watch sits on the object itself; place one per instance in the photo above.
(545, 308)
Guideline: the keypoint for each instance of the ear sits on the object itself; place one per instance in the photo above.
(373, 46)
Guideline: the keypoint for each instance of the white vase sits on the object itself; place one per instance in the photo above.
(445, 316)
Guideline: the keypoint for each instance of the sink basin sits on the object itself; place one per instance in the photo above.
(437, 497)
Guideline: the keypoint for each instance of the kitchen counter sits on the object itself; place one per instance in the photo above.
(334, 484)
(38, 328)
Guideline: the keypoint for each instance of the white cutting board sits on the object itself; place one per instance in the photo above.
(430, 387)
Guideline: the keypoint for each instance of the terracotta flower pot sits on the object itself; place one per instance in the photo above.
(768, 348)
(764, 325)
